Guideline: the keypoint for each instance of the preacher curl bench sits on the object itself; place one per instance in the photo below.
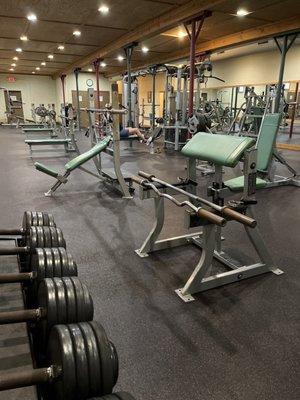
(222, 151)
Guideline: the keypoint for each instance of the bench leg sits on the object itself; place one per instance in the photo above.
(60, 181)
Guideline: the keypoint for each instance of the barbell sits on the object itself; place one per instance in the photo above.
(30, 218)
(81, 363)
(59, 301)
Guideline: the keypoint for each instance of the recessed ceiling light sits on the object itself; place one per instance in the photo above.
(19, 50)
(77, 33)
(181, 34)
(33, 72)
(120, 58)
(43, 63)
(38, 68)
(102, 64)
(11, 69)
(51, 56)
(15, 58)
(90, 70)
(24, 38)
(61, 47)
(13, 65)
(145, 49)
(103, 9)
(241, 12)
(32, 17)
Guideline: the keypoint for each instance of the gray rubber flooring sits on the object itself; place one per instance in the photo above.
(239, 342)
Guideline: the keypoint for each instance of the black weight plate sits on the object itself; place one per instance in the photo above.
(124, 396)
(27, 221)
(106, 357)
(71, 269)
(47, 236)
(88, 304)
(51, 220)
(94, 362)
(115, 361)
(70, 300)
(38, 267)
(47, 300)
(61, 302)
(57, 270)
(40, 219)
(34, 219)
(32, 239)
(79, 296)
(45, 217)
(61, 240)
(63, 260)
(54, 238)
(81, 361)
(40, 237)
(60, 352)
(49, 263)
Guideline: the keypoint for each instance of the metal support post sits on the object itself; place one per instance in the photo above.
(128, 52)
(76, 72)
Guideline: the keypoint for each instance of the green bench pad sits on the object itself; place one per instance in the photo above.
(222, 150)
(37, 129)
(45, 169)
(42, 142)
(237, 184)
(82, 158)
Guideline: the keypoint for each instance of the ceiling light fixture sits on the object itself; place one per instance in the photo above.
(19, 50)
(103, 9)
(11, 69)
(77, 33)
(120, 58)
(50, 56)
(241, 12)
(13, 65)
(15, 58)
(181, 34)
(38, 68)
(33, 72)
(102, 64)
(90, 70)
(32, 17)
(43, 63)
(145, 49)
(61, 47)
(24, 38)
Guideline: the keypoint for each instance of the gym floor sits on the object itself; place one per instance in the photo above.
(239, 342)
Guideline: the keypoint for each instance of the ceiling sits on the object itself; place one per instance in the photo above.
(100, 34)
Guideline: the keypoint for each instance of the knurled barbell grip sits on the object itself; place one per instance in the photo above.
(16, 379)
(16, 277)
(8, 251)
(12, 317)
(239, 217)
(138, 180)
(211, 217)
(146, 175)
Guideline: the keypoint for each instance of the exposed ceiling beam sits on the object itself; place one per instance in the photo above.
(239, 38)
(146, 30)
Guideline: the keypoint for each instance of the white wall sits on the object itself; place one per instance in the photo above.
(34, 89)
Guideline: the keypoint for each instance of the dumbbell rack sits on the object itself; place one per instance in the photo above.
(15, 266)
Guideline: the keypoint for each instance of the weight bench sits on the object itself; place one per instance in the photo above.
(37, 130)
(266, 152)
(72, 165)
(67, 143)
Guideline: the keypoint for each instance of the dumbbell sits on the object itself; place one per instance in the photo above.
(81, 363)
(30, 218)
(37, 237)
(45, 263)
(115, 396)
(59, 301)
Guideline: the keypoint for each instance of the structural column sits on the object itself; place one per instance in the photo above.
(76, 72)
(128, 52)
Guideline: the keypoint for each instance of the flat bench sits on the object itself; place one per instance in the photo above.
(37, 130)
(44, 142)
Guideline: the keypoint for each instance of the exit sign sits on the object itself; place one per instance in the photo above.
(11, 79)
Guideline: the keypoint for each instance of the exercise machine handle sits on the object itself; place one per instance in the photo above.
(138, 180)
(146, 175)
(211, 217)
(239, 217)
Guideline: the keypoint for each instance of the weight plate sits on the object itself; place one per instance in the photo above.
(88, 304)
(70, 300)
(47, 300)
(61, 240)
(61, 302)
(49, 263)
(79, 298)
(57, 270)
(60, 353)
(32, 239)
(47, 236)
(124, 396)
(115, 361)
(40, 236)
(94, 363)
(71, 269)
(27, 221)
(81, 361)
(51, 220)
(40, 219)
(45, 217)
(34, 219)
(63, 260)
(38, 267)
(106, 357)
(54, 238)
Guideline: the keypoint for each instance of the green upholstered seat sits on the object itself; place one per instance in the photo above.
(266, 140)
(46, 170)
(82, 158)
(42, 142)
(222, 150)
(237, 184)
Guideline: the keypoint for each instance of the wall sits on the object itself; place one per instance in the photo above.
(35, 89)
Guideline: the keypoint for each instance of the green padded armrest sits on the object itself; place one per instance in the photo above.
(46, 170)
(82, 158)
(237, 184)
(223, 150)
